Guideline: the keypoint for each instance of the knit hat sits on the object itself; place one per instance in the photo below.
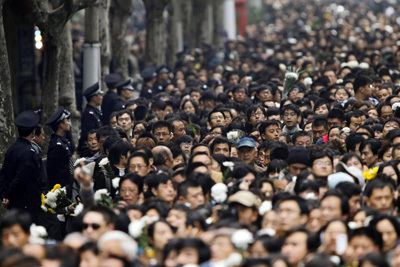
(298, 155)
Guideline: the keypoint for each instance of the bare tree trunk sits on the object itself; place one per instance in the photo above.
(7, 130)
(187, 7)
(175, 31)
(155, 32)
(120, 11)
(51, 23)
(218, 18)
(202, 23)
(104, 38)
(67, 80)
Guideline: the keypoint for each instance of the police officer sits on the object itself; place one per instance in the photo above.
(149, 78)
(20, 176)
(59, 156)
(91, 117)
(111, 97)
(125, 92)
(162, 79)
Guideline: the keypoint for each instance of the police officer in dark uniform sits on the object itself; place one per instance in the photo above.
(111, 97)
(125, 92)
(162, 79)
(20, 176)
(59, 155)
(149, 78)
(91, 117)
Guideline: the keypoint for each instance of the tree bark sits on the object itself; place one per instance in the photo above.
(120, 11)
(67, 81)
(202, 23)
(104, 38)
(175, 31)
(155, 32)
(218, 18)
(51, 23)
(7, 129)
(187, 9)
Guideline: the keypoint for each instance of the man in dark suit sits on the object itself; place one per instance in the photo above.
(111, 97)
(20, 176)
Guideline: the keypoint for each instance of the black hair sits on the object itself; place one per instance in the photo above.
(373, 144)
(241, 170)
(134, 178)
(369, 233)
(369, 130)
(197, 145)
(161, 124)
(16, 217)
(336, 113)
(107, 213)
(299, 134)
(305, 185)
(319, 121)
(141, 155)
(352, 140)
(349, 189)
(220, 140)
(375, 259)
(378, 183)
(344, 203)
(184, 139)
(150, 229)
(320, 154)
(215, 111)
(124, 111)
(118, 149)
(204, 253)
(265, 124)
(361, 81)
(196, 107)
(381, 105)
(276, 165)
(155, 179)
(158, 105)
(380, 217)
(183, 187)
(105, 131)
(38, 129)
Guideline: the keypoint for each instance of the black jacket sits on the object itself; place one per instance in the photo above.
(59, 161)
(20, 177)
(91, 119)
(109, 101)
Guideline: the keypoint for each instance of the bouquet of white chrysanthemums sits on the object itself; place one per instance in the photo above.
(57, 201)
(291, 76)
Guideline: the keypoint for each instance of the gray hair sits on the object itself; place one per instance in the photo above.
(127, 243)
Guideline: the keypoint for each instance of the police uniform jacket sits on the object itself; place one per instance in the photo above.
(90, 120)
(109, 101)
(59, 161)
(146, 92)
(20, 177)
(120, 105)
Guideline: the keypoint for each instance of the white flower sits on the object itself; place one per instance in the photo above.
(234, 259)
(282, 66)
(352, 64)
(136, 227)
(308, 81)
(352, 225)
(44, 208)
(291, 75)
(364, 65)
(79, 161)
(395, 105)
(38, 233)
(51, 199)
(64, 190)
(242, 238)
(339, 81)
(219, 192)
(78, 209)
(232, 135)
(265, 207)
(267, 231)
(115, 182)
(229, 164)
(99, 193)
(103, 162)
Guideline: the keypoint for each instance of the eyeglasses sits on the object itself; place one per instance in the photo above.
(134, 167)
(321, 163)
(186, 144)
(217, 117)
(161, 134)
(256, 114)
(94, 226)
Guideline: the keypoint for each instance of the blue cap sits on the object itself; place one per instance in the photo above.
(59, 115)
(149, 73)
(27, 119)
(163, 69)
(92, 91)
(247, 141)
(112, 79)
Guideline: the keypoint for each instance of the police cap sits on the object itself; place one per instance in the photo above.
(59, 115)
(27, 119)
(111, 80)
(124, 85)
(92, 91)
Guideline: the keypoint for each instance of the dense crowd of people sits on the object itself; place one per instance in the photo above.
(216, 162)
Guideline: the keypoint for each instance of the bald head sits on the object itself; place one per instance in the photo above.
(162, 157)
